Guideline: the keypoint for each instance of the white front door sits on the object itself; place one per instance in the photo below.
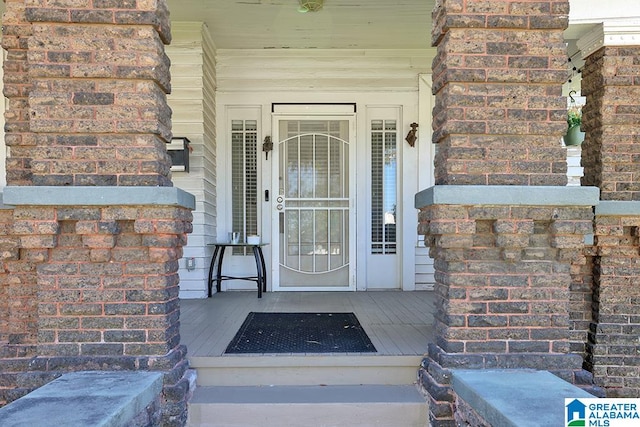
(313, 230)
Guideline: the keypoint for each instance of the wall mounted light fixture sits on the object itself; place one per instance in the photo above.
(179, 149)
(411, 136)
(267, 146)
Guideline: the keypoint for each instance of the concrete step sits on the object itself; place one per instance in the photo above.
(305, 370)
(308, 406)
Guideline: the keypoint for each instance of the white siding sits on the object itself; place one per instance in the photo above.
(291, 70)
(192, 100)
(424, 267)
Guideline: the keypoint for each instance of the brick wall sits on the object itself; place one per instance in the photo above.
(499, 113)
(17, 85)
(501, 275)
(611, 161)
(610, 118)
(18, 311)
(512, 278)
(92, 286)
(18, 290)
(110, 286)
(581, 301)
(612, 346)
(513, 291)
(87, 87)
(18, 308)
(467, 416)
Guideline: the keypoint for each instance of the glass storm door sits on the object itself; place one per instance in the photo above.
(313, 232)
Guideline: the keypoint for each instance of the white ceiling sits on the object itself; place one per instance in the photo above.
(346, 24)
(349, 24)
(341, 24)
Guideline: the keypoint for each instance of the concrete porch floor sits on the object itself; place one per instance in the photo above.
(398, 323)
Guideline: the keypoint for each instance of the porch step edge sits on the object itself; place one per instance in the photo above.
(306, 370)
(369, 405)
(253, 360)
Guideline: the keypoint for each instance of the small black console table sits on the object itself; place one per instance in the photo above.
(216, 264)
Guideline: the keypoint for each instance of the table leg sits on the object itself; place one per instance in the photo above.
(264, 270)
(219, 270)
(213, 262)
(257, 254)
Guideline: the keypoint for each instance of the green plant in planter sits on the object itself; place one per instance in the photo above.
(574, 116)
(573, 136)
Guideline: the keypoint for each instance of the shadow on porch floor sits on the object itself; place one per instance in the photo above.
(398, 323)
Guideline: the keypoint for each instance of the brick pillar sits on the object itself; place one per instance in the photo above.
(18, 319)
(98, 226)
(17, 85)
(498, 76)
(86, 89)
(98, 104)
(612, 347)
(611, 84)
(18, 304)
(18, 283)
(506, 235)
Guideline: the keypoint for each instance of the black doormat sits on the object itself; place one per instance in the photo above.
(301, 333)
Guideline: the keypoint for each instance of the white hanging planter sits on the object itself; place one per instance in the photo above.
(574, 136)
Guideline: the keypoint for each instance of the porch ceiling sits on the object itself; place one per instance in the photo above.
(348, 24)
(342, 24)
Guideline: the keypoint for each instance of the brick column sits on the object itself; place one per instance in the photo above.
(98, 104)
(611, 84)
(506, 235)
(498, 76)
(98, 226)
(18, 304)
(17, 85)
(18, 284)
(107, 284)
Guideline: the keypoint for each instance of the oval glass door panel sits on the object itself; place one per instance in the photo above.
(313, 218)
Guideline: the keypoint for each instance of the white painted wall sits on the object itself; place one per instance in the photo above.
(192, 54)
(347, 70)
